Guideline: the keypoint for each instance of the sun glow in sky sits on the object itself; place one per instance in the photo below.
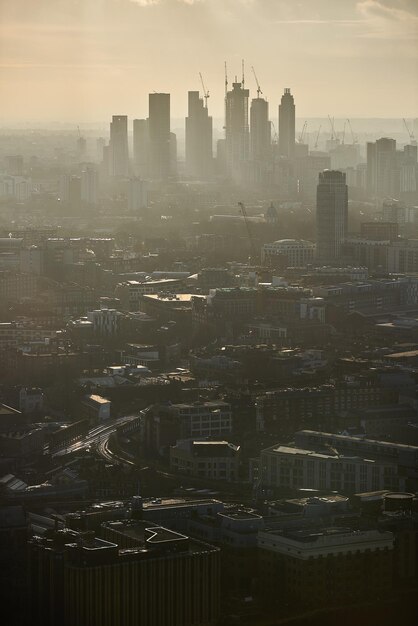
(88, 59)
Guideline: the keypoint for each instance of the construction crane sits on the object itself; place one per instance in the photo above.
(343, 136)
(317, 137)
(205, 92)
(410, 133)
(259, 92)
(226, 80)
(331, 121)
(250, 237)
(302, 134)
(355, 140)
(243, 74)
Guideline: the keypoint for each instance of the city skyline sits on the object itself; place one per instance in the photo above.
(84, 61)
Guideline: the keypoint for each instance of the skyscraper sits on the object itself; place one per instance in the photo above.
(119, 152)
(89, 185)
(381, 167)
(236, 128)
(287, 125)
(331, 215)
(198, 138)
(260, 133)
(159, 136)
(141, 147)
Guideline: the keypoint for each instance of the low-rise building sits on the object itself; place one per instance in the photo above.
(218, 460)
(325, 566)
(293, 467)
(96, 408)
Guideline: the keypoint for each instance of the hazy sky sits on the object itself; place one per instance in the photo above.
(83, 60)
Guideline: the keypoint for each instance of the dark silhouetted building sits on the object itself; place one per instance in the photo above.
(139, 573)
(119, 152)
(159, 136)
(331, 216)
(141, 147)
(287, 125)
(236, 128)
(198, 138)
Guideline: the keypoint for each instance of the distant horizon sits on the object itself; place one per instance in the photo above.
(73, 60)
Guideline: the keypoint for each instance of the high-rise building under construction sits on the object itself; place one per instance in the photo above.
(236, 128)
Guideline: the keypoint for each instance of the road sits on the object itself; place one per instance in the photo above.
(95, 436)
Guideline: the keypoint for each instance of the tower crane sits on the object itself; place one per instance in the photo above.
(410, 133)
(205, 92)
(302, 134)
(331, 121)
(259, 92)
(317, 137)
(247, 225)
(355, 140)
(343, 136)
(226, 80)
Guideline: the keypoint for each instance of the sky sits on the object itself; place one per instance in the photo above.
(84, 60)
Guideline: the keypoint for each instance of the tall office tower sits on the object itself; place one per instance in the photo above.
(159, 136)
(260, 132)
(331, 216)
(137, 194)
(287, 125)
(119, 152)
(89, 186)
(381, 167)
(198, 138)
(141, 147)
(236, 128)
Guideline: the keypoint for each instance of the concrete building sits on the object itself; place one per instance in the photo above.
(105, 321)
(237, 135)
(405, 456)
(260, 133)
(96, 408)
(138, 573)
(166, 424)
(288, 253)
(199, 154)
(325, 566)
(90, 186)
(119, 150)
(293, 467)
(141, 147)
(216, 460)
(381, 167)
(159, 136)
(331, 216)
(287, 125)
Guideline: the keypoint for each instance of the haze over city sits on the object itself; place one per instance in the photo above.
(208, 312)
(70, 60)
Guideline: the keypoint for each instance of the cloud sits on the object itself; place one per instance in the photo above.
(396, 18)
